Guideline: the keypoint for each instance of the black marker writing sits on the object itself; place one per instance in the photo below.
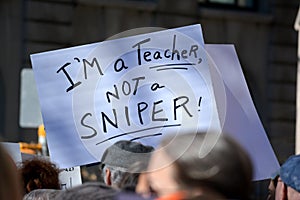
(126, 89)
(105, 118)
(137, 131)
(171, 64)
(141, 107)
(127, 115)
(144, 136)
(70, 169)
(116, 94)
(120, 65)
(174, 50)
(94, 62)
(156, 86)
(199, 103)
(139, 49)
(183, 104)
(173, 54)
(73, 85)
(144, 109)
(157, 111)
(168, 68)
(193, 49)
(77, 59)
(87, 126)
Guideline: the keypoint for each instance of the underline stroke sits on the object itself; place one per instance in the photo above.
(171, 64)
(144, 136)
(185, 68)
(141, 130)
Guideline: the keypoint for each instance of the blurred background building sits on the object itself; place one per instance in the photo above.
(261, 30)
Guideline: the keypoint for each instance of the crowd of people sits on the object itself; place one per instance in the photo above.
(183, 167)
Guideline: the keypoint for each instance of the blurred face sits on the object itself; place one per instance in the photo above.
(278, 190)
(271, 189)
(281, 190)
(161, 174)
(292, 194)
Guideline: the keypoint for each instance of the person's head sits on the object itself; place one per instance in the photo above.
(39, 173)
(42, 194)
(287, 185)
(272, 187)
(88, 191)
(119, 158)
(9, 182)
(195, 165)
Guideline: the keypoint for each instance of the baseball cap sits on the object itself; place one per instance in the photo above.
(290, 173)
(124, 153)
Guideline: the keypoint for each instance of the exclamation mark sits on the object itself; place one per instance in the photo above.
(71, 182)
(199, 103)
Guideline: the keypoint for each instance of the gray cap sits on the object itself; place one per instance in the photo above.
(124, 154)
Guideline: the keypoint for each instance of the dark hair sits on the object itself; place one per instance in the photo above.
(208, 161)
(39, 173)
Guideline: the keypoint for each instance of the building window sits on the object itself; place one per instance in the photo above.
(234, 4)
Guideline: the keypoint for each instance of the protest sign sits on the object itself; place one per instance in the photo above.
(13, 149)
(241, 120)
(141, 88)
(70, 177)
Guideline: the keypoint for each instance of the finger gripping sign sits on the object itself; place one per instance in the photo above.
(136, 88)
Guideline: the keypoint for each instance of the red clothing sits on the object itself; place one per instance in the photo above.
(173, 196)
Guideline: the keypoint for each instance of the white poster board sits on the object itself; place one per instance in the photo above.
(70, 177)
(30, 111)
(137, 88)
(13, 149)
(241, 120)
(94, 95)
